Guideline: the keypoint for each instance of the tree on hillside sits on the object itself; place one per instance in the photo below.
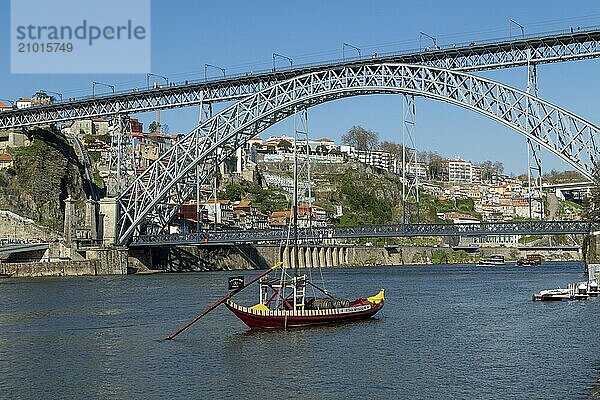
(391, 147)
(592, 201)
(498, 167)
(437, 168)
(153, 127)
(322, 150)
(285, 145)
(361, 138)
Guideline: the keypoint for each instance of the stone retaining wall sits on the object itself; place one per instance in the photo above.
(58, 268)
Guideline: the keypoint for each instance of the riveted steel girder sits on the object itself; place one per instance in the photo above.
(369, 231)
(154, 195)
(468, 57)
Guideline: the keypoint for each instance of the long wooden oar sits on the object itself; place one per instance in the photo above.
(222, 300)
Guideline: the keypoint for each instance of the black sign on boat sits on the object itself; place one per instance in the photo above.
(236, 282)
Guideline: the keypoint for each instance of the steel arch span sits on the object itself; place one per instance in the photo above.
(156, 194)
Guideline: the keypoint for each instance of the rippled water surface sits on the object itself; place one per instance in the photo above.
(446, 332)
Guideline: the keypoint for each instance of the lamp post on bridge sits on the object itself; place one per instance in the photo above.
(149, 74)
(213, 66)
(50, 91)
(434, 40)
(275, 55)
(112, 87)
(344, 45)
(510, 24)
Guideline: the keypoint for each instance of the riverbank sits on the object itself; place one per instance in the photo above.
(97, 262)
(190, 258)
(247, 257)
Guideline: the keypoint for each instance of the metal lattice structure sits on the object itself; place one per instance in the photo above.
(369, 231)
(534, 160)
(410, 165)
(121, 162)
(154, 196)
(564, 46)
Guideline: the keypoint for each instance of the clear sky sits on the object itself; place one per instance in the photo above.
(241, 36)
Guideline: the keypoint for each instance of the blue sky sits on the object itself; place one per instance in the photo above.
(242, 35)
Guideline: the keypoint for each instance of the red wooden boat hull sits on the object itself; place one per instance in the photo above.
(272, 319)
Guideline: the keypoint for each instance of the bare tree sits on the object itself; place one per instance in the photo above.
(361, 138)
(391, 147)
(592, 201)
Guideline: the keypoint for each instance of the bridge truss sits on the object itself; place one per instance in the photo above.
(566, 46)
(157, 193)
(368, 231)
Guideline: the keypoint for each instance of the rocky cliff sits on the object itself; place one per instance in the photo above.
(42, 177)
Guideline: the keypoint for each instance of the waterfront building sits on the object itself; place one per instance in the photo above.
(221, 210)
(247, 216)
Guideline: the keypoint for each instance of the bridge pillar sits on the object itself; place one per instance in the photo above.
(301, 260)
(336, 256)
(69, 219)
(285, 257)
(315, 257)
(91, 217)
(328, 257)
(108, 220)
(308, 257)
(322, 257)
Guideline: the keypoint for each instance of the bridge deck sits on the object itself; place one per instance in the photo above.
(549, 48)
(369, 231)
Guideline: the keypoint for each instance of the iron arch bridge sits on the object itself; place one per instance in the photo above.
(155, 195)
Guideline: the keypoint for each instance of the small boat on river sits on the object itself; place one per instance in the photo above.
(294, 310)
(553, 295)
(532, 260)
(491, 261)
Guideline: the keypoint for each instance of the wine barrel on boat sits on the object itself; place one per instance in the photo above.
(326, 303)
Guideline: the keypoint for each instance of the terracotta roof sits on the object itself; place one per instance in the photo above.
(24, 99)
(278, 214)
(5, 157)
(211, 201)
(3, 105)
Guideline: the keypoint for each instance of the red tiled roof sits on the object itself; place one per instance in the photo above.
(5, 157)
(278, 214)
(3, 105)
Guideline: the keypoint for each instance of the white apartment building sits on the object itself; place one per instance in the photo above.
(459, 171)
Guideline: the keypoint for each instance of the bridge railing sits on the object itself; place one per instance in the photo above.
(333, 62)
(232, 236)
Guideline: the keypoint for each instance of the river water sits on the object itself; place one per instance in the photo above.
(457, 332)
